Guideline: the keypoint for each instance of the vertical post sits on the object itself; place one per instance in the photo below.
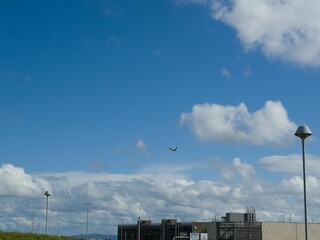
(304, 190)
(47, 194)
(47, 215)
(87, 221)
(303, 132)
(33, 221)
(87, 228)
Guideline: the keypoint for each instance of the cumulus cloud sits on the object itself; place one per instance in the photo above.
(244, 169)
(131, 195)
(151, 195)
(288, 30)
(237, 169)
(15, 182)
(290, 163)
(281, 29)
(294, 185)
(269, 125)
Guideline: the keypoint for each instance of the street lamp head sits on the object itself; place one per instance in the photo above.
(47, 193)
(303, 132)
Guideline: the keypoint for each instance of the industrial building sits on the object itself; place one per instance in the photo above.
(233, 226)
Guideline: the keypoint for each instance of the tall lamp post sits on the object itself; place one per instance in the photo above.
(33, 221)
(47, 194)
(303, 132)
(87, 218)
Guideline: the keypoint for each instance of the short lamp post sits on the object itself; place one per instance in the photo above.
(303, 132)
(47, 194)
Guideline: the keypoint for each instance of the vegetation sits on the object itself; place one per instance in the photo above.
(29, 236)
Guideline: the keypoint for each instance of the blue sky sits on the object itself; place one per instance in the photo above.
(93, 92)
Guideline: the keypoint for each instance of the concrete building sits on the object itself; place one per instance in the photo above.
(234, 226)
(146, 230)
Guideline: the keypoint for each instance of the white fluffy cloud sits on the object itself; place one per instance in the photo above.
(283, 29)
(151, 195)
(233, 170)
(291, 164)
(245, 170)
(269, 125)
(120, 197)
(289, 30)
(15, 182)
(294, 185)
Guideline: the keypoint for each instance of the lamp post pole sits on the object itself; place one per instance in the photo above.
(303, 132)
(87, 218)
(33, 221)
(47, 194)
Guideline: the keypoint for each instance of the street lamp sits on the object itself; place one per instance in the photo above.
(303, 132)
(87, 218)
(47, 194)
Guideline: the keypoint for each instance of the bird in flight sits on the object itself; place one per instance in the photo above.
(173, 149)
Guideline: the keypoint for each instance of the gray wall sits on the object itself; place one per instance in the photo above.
(289, 231)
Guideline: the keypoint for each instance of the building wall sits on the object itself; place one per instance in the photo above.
(168, 229)
(212, 230)
(199, 227)
(239, 231)
(289, 231)
(236, 217)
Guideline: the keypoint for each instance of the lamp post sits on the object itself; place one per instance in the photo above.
(87, 218)
(47, 194)
(303, 132)
(33, 221)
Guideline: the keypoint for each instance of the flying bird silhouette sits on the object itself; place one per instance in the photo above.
(173, 149)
